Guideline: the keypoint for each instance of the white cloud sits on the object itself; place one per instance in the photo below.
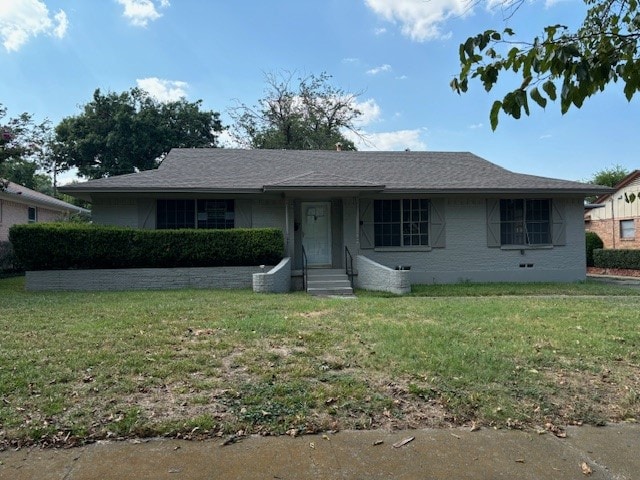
(141, 12)
(370, 112)
(402, 77)
(227, 140)
(382, 31)
(63, 23)
(163, 90)
(382, 68)
(420, 20)
(475, 126)
(389, 141)
(22, 19)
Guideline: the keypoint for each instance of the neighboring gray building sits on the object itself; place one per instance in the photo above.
(449, 216)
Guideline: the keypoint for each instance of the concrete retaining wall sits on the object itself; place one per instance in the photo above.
(276, 280)
(373, 276)
(142, 278)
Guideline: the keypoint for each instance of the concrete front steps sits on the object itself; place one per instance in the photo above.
(325, 281)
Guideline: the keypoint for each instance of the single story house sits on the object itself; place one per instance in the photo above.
(20, 204)
(443, 216)
(615, 216)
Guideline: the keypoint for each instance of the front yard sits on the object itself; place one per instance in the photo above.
(77, 367)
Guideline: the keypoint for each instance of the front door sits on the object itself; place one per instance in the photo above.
(316, 232)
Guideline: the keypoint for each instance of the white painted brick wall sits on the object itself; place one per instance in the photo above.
(142, 278)
(467, 257)
(276, 280)
(373, 276)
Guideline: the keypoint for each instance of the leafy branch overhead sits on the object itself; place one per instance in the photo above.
(564, 65)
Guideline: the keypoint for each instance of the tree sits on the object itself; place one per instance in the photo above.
(22, 143)
(310, 116)
(609, 177)
(130, 131)
(561, 64)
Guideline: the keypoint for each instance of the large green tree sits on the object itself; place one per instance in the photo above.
(562, 64)
(23, 150)
(119, 133)
(309, 115)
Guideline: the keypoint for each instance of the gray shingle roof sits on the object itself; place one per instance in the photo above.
(25, 195)
(224, 170)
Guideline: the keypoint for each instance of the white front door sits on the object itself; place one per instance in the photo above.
(316, 232)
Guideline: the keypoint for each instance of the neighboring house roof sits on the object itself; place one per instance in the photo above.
(215, 170)
(632, 177)
(20, 194)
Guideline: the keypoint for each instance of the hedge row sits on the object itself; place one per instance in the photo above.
(617, 259)
(61, 246)
(593, 241)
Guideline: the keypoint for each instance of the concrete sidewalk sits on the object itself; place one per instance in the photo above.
(611, 452)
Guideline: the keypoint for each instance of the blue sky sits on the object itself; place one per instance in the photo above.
(400, 54)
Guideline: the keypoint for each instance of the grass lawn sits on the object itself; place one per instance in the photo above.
(76, 367)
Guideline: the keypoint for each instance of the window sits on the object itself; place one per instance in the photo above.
(32, 214)
(525, 222)
(215, 214)
(175, 214)
(628, 229)
(195, 214)
(401, 223)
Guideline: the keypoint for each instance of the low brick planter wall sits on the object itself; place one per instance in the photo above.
(276, 280)
(141, 278)
(373, 276)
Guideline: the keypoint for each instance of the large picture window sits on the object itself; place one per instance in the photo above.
(215, 214)
(190, 213)
(525, 222)
(401, 223)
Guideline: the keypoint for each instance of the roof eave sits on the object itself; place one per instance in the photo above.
(332, 188)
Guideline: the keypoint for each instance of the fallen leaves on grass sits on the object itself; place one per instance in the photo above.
(403, 442)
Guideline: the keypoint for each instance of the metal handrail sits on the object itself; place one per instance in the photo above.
(348, 264)
(305, 268)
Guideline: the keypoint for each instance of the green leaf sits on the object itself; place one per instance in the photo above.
(493, 116)
(536, 97)
(550, 89)
(469, 47)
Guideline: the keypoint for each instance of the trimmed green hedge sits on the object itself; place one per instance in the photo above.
(593, 241)
(61, 246)
(617, 259)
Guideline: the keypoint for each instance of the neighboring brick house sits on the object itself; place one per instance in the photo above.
(449, 216)
(615, 217)
(19, 204)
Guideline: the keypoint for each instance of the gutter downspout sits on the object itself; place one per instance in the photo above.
(286, 228)
(613, 225)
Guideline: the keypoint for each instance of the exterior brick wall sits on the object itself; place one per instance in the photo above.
(373, 276)
(276, 280)
(141, 279)
(609, 232)
(15, 213)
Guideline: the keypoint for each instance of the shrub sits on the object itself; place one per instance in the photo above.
(8, 261)
(59, 246)
(593, 241)
(617, 259)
